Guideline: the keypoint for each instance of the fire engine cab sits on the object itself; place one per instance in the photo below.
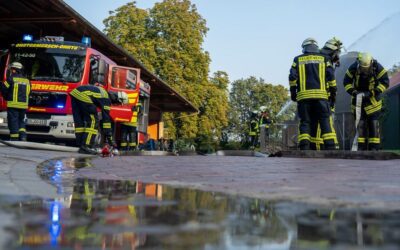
(55, 67)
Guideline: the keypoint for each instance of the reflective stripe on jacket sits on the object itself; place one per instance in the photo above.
(312, 77)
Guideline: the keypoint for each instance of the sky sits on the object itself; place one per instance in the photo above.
(260, 37)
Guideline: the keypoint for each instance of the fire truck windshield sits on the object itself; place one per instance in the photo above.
(53, 65)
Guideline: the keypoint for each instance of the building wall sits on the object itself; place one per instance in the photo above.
(391, 119)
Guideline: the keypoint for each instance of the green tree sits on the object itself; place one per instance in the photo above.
(395, 69)
(127, 26)
(168, 39)
(213, 111)
(250, 94)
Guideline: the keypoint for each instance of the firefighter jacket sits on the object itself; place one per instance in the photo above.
(254, 127)
(136, 110)
(265, 120)
(312, 77)
(97, 96)
(374, 84)
(16, 90)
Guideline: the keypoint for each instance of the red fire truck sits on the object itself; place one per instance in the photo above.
(55, 67)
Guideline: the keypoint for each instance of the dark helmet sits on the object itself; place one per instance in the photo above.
(309, 41)
(310, 45)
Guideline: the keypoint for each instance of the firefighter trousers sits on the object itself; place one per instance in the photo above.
(16, 124)
(316, 141)
(86, 122)
(315, 111)
(254, 141)
(369, 131)
(128, 137)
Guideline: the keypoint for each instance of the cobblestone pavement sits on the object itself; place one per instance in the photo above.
(322, 181)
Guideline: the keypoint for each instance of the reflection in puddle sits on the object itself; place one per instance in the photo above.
(111, 214)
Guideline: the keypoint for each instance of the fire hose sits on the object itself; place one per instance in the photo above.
(38, 146)
(359, 99)
(106, 151)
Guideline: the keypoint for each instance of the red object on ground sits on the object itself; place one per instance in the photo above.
(105, 151)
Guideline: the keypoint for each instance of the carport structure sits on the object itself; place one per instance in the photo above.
(56, 18)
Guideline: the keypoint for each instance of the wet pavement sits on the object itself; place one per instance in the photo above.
(336, 182)
(196, 202)
(117, 214)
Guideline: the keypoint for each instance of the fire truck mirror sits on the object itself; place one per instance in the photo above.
(101, 75)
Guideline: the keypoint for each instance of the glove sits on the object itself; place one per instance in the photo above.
(354, 93)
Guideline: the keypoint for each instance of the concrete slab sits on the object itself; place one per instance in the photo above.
(339, 154)
(240, 153)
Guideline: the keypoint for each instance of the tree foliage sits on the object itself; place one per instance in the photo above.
(168, 40)
(395, 69)
(249, 94)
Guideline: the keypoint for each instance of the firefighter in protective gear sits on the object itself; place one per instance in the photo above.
(264, 122)
(254, 129)
(312, 81)
(129, 130)
(331, 50)
(85, 100)
(369, 77)
(16, 90)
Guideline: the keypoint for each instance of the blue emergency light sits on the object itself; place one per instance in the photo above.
(87, 41)
(27, 38)
(60, 106)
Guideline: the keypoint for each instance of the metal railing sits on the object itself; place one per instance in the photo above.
(278, 137)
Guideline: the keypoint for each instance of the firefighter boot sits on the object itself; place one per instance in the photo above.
(87, 150)
(304, 145)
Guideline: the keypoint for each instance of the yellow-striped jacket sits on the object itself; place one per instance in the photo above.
(16, 90)
(312, 77)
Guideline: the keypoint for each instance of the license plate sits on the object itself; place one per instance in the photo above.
(37, 122)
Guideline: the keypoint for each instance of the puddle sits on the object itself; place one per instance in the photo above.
(110, 214)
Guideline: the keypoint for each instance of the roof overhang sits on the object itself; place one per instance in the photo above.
(56, 18)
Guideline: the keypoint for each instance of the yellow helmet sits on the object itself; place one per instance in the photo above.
(364, 61)
(333, 44)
